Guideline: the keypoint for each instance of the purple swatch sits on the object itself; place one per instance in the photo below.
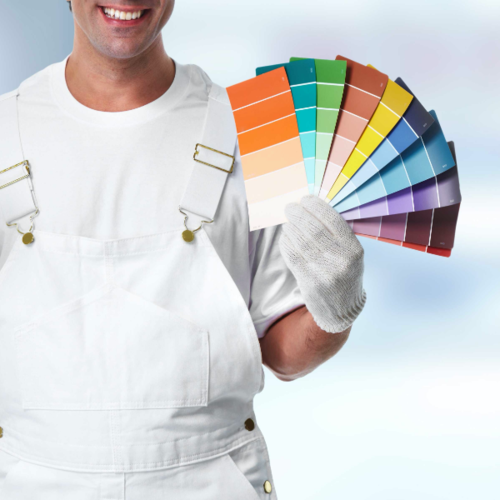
(400, 202)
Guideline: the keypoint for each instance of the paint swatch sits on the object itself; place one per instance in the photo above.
(302, 79)
(270, 147)
(414, 123)
(442, 252)
(392, 106)
(424, 159)
(330, 80)
(364, 89)
(440, 191)
(432, 231)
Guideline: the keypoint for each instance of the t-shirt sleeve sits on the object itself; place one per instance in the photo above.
(274, 289)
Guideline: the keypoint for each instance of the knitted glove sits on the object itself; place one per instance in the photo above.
(326, 259)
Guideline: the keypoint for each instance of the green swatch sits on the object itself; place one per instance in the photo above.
(330, 81)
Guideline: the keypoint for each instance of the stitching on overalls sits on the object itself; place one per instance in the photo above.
(187, 460)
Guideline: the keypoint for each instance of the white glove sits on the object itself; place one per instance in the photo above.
(326, 259)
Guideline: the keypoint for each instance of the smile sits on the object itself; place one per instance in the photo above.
(120, 15)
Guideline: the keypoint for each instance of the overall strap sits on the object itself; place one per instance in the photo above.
(213, 158)
(16, 189)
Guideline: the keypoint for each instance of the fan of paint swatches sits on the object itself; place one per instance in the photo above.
(270, 147)
(416, 120)
(431, 231)
(363, 91)
(395, 101)
(330, 81)
(424, 159)
(302, 79)
(440, 191)
(430, 227)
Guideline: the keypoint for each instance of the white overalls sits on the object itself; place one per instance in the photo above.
(115, 384)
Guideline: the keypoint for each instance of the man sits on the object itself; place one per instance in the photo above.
(130, 357)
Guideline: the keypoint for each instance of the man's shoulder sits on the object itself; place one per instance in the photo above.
(201, 79)
(29, 84)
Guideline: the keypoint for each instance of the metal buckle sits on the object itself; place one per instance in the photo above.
(209, 164)
(26, 165)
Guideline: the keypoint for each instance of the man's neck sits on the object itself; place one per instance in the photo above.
(109, 84)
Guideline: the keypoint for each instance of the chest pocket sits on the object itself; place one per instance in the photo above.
(112, 349)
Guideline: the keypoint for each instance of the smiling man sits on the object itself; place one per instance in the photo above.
(138, 308)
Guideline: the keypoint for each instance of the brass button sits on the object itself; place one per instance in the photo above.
(1, 432)
(267, 487)
(188, 235)
(249, 424)
(28, 238)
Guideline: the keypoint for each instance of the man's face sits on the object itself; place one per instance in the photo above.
(121, 28)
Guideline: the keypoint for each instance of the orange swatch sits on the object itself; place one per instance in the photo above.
(271, 154)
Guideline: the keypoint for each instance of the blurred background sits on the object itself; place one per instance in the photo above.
(410, 408)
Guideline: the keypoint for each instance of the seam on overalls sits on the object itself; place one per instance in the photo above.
(167, 464)
(13, 429)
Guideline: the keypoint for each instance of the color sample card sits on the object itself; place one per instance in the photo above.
(442, 252)
(302, 79)
(392, 106)
(432, 231)
(440, 191)
(364, 89)
(330, 80)
(424, 159)
(416, 120)
(270, 147)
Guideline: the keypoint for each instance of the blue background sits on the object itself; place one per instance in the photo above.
(410, 408)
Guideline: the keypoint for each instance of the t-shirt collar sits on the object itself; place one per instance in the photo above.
(70, 105)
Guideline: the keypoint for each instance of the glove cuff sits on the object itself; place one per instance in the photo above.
(341, 323)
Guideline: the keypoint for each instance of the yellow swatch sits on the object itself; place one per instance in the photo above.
(391, 108)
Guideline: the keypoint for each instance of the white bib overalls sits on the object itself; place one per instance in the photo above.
(128, 367)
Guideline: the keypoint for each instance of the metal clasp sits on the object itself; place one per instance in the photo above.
(196, 152)
(188, 234)
(28, 235)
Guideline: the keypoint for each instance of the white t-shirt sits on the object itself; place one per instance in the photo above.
(113, 175)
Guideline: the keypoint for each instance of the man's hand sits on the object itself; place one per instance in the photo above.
(326, 258)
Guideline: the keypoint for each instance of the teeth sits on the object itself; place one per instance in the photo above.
(123, 16)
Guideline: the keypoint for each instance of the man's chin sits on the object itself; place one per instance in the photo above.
(121, 48)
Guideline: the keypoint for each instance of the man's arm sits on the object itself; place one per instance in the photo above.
(295, 345)
(326, 259)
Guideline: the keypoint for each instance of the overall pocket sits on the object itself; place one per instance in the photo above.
(251, 462)
(112, 349)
